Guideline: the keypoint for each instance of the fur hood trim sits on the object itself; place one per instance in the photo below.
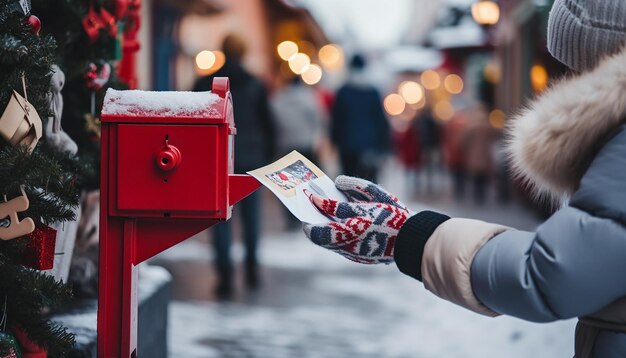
(552, 142)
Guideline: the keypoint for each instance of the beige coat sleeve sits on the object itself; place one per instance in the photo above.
(447, 260)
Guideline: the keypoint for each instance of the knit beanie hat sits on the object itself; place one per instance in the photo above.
(582, 32)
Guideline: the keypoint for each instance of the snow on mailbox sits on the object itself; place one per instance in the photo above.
(166, 174)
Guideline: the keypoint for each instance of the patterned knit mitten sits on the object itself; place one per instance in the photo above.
(365, 228)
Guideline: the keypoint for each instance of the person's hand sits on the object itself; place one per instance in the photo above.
(365, 228)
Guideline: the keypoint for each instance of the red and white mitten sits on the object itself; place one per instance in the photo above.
(364, 229)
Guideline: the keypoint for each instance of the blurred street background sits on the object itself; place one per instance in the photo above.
(413, 94)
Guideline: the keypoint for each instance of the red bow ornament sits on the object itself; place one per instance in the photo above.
(109, 21)
(92, 23)
(95, 21)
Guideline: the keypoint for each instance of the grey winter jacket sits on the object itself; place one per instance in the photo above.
(571, 144)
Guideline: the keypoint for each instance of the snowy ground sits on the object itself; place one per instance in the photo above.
(316, 304)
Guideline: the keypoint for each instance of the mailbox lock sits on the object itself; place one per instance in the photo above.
(168, 158)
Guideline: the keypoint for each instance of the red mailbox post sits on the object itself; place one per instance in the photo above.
(166, 174)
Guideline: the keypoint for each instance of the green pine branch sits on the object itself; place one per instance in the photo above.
(34, 66)
(28, 294)
(12, 50)
(52, 191)
(80, 168)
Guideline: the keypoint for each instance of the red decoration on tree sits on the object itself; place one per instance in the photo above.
(39, 252)
(120, 8)
(34, 23)
(92, 23)
(95, 21)
(109, 21)
(91, 75)
(30, 349)
(96, 78)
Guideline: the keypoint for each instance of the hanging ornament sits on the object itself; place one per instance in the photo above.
(92, 23)
(95, 78)
(10, 225)
(109, 21)
(7, 340)
(97, 75)
(20, 123)
(35, 24)
(30, 349)
(39, 252)
(90, 75)
(10, 343)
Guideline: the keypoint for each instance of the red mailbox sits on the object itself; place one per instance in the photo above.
(166, 174)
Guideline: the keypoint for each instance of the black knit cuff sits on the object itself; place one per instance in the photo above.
(411, 240)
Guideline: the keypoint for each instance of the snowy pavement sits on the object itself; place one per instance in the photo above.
(316, 304)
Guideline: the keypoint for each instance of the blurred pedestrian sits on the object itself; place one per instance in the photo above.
(477, 141)
(430, 140)
(359, 127)
(254, 145)
(408, 152)
(298, 114)
(452, 153)
(570, 143)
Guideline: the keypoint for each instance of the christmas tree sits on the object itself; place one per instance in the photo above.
(49, 178)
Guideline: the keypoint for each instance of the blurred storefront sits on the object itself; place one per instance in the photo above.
(481, 60)
(498, 49)
(190, 39)
(160, 37)
(522, 66)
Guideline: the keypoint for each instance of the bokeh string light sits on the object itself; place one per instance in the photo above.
(443, 110)
(394, 104)
(453, 84)
(497, 118)
(430, 79)
(312, 74)
(286, 49)
(486, 12)
(411, 92)
(331, 57)
(538, 77)
(205, 60)
(298, 63)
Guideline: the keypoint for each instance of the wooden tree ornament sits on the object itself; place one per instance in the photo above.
(20, 124)
(10, 225)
